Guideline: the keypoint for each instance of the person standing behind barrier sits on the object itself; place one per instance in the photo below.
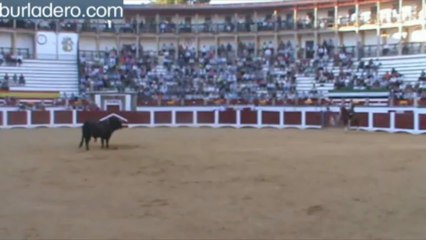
(19, 59)
(15, 79)
(21, 80)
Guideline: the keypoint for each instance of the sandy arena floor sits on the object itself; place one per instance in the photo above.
(213, 184)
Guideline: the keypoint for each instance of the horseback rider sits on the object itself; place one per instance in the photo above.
(351, 116)
(347, 115)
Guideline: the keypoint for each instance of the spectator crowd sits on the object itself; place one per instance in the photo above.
(180, 72)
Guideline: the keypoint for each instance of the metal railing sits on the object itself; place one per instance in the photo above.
(175, 28)
(25, 52)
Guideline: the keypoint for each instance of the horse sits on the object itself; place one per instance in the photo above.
(348, 117)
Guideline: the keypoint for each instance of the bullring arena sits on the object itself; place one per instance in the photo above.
(234, 114)
(206, 183)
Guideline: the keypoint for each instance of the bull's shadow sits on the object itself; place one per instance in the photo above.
(123, 147)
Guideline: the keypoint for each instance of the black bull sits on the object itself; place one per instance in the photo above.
(103, 130)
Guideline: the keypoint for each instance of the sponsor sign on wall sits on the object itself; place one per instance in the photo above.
(67, 45)
(46, 45)
(50, 45)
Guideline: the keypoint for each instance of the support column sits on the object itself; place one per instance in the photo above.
(400, 20)
(255, 20)
(357, 30)
(177, 23)
(316, 17)
(378, 31)
(370, 120)
(4, 116)
(259, 118)
(256, 44)
(174, 117)
(217, 44)
(51, 117)
(256, 36)
(151, 118)
(295, 18)
(357, 14)
(13, 38)
(316, 40)
(74, 118)
(303, 120)
(197, 35)
(238, 113)
(276, 44)
(316, 30)
(423, 21)
(197, 45)
(194, 118)
(117, 41)
(177, 43)
(98, 43)
(236, 38)
(392, 121)
(216, 117)
(138, 36)
(296, 45)
(157, 23)
(416, 121)
(235, 22)
(336, 26)
(157, 39)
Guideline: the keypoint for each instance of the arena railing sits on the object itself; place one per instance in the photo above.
(413, 48)
(152, 27)
(368, 51)
(90, 55)
(387, 119)
(25, 52)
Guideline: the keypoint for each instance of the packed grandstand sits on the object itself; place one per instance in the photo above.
(291, 52)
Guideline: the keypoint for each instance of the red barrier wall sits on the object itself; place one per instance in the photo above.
(270, 118)
(248, 116)
(314, 118)
(422, 121)
(404, 120)
(228, 116)
(63, 117)
(292, 118)
(17, 118)
(362, 119)
(184, 117)
(136, 117)
(90, 116)
(163, 117)
(381, 120)
(40, 117)
(205, 117)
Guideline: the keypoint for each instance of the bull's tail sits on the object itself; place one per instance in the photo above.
(85, 136)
